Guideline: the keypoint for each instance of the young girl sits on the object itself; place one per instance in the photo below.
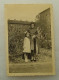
(26, 46)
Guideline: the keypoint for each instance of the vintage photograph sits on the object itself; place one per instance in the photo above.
(29, 39)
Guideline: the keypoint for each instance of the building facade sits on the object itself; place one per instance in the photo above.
(45, 23)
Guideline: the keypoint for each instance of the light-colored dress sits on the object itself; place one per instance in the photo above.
(26, 45)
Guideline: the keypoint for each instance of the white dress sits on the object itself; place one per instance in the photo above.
(26, 45)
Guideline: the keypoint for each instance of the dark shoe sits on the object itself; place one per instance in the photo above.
(31, 60)
(34, 60)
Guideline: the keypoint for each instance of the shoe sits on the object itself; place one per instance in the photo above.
(31, 60)
(34, 60)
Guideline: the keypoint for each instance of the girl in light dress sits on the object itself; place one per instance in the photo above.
(26, 46)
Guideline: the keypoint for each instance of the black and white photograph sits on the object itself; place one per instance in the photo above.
(29, 39)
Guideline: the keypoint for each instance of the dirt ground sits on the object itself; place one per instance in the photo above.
(42, 65)
(31, 68)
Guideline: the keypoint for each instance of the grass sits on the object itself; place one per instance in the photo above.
(42, 65)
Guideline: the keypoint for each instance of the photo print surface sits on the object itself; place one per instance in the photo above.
(30, 39)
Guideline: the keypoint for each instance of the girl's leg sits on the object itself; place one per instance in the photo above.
(26, 57)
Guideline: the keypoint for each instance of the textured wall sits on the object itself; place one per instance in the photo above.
(45, 22)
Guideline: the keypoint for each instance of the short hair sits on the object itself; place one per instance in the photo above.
(26, 34)
(32, 23)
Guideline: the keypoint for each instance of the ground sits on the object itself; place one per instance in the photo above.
(31, 68)
(42, 65)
